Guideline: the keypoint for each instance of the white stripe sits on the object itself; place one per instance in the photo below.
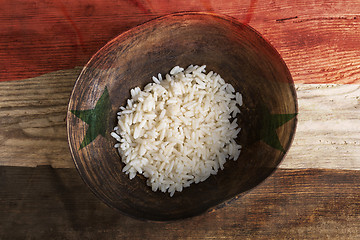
(327, 136)
(328, 131)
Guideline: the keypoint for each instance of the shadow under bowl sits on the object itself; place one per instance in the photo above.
(235, 51)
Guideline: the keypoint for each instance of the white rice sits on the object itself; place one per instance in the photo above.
(177, 131)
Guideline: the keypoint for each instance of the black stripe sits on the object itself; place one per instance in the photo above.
(47, 203)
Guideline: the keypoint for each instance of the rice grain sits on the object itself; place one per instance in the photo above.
(180, 129)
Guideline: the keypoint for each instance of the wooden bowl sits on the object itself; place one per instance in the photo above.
(235, 51)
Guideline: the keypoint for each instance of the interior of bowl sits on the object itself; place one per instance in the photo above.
(235, 51)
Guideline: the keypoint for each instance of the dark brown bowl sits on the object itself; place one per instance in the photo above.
(235, 51)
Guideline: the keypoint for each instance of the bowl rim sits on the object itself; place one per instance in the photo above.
(124, 35)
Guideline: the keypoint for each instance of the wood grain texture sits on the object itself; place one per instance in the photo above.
(32, 120)
(317, 39)
(327, 134)
(328, 131)
(33, 111)
(47, 203)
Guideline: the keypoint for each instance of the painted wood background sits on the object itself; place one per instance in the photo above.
(315, 193)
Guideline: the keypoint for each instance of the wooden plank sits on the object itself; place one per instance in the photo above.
(318, 39)
(32, 120)
(47, 203)
(327, 134)
(32, 123)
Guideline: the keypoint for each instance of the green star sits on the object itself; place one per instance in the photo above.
(96, 118)
(269, 124)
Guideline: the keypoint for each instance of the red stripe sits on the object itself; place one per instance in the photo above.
(38, 37)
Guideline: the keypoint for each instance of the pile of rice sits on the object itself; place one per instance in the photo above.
(179, 130)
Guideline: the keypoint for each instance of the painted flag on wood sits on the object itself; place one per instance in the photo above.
(45, 48)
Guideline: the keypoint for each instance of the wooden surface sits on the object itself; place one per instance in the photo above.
(34, 125)
(318, 39)
(314, 196)
(48, 203)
